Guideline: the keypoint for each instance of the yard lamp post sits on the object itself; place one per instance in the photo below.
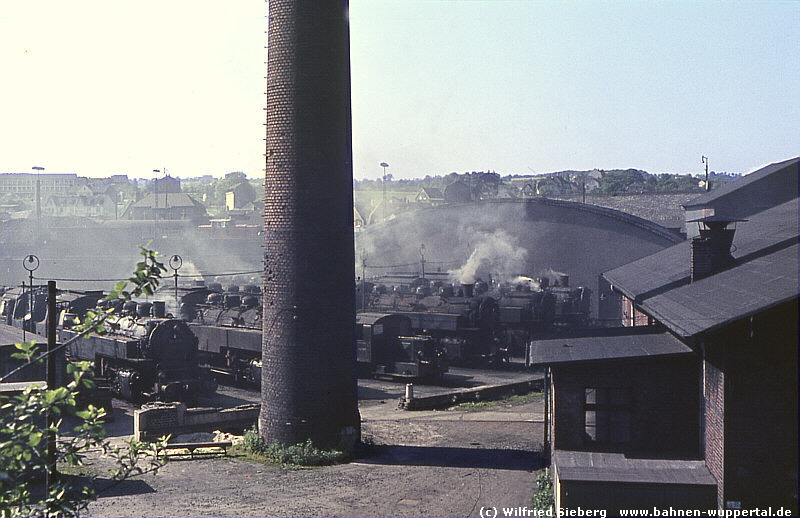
(30, 263)
(38, 169)
(175, 262)
(383, 181)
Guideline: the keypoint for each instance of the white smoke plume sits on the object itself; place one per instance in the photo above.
(522, 280)
(496, 253)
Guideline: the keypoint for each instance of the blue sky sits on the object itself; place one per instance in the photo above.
(96, 87)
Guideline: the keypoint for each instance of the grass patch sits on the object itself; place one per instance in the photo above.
(256, 449)
(78, 471)
(506, 402)
(543, 498)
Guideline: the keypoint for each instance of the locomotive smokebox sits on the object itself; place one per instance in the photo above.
(469, 290)
(308, 384)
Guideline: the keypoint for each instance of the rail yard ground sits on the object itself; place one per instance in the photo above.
(414, 463)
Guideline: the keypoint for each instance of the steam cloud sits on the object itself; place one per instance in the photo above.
(496, 252)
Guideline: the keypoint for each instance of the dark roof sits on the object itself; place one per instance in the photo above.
(670, 267)
(12, 335)
(370, 318)
(616, 344)
(744, 182)
(616, 467)
(168, 200)
(433, 193)
(742, 291)
(716, 218)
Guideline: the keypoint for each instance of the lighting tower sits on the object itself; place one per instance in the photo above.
(308, 386)
(38, 170)
(383, 183)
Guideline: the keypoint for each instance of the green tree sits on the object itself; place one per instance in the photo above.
(24, 460)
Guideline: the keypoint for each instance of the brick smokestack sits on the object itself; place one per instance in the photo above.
(711, 250)
(308, 387)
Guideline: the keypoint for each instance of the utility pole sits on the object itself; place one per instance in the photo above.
(704, 160)
(422, 259)
(363, 280)
(51, 379)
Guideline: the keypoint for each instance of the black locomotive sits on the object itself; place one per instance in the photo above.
(483, 323)
(228, 328)
(144, 355)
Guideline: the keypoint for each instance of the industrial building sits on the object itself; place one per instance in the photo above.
(696, 399)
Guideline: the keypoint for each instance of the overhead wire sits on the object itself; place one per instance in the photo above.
(199, 275)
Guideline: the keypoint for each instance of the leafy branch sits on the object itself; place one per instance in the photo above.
(24, 461)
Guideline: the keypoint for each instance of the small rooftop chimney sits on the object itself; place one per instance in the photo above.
(711, 250)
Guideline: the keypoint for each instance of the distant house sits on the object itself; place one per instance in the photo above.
(166, 206)
(529, 189)
(90, 206)
(697, 397)
(240, 196)
(457, 192)
(429, 196)
(166, 184)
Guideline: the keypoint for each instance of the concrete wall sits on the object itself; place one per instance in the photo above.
(158, 419)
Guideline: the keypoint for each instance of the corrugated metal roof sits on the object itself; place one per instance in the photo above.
(757, 285)
(624, 343)
(743, 182)
(670, 268)
(616, 467)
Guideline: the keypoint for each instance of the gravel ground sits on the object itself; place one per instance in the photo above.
(426, 463)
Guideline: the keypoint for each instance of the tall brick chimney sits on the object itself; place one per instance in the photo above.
(308, 387)
(711, 250)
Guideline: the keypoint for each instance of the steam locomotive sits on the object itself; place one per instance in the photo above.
(228, 327)
(145, 355)
(479, 322)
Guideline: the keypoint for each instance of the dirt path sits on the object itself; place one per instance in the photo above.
(438, 463)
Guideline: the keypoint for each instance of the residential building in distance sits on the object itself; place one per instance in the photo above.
(166, 206)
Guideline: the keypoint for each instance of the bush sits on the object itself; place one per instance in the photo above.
(305, 454)
(543, 498)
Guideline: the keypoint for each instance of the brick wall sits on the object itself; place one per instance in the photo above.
(760, 403)
(664, 405)
(713, 422)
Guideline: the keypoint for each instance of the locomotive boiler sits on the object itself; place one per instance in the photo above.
(144, 357)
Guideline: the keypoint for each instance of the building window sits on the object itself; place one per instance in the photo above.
(607, 414)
